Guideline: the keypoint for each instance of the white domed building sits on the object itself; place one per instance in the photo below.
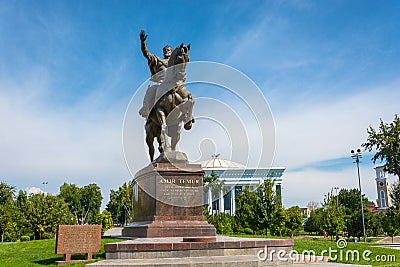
(235, 177)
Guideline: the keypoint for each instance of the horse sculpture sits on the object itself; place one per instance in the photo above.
(173, 105)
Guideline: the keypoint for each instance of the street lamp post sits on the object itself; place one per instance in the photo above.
(44, 186)
(357, 155)
(337, 196)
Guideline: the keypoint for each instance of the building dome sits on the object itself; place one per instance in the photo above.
(217, 163)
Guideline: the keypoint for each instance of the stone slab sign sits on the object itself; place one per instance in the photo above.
(74, 239)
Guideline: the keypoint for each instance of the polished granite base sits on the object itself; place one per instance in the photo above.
(169, 202)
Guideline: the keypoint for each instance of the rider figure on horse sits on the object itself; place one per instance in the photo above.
(157, 68)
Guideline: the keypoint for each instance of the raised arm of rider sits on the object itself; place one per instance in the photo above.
(145, 51)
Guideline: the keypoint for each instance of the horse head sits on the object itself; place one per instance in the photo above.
(180, 55)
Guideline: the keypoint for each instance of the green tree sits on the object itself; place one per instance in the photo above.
(105, 220)
(46, 213)
(349, 199)
(245, 210)
(7, 211)
(265, 204)
(333, 216)
(72, 195)
(391, 222)
(6, 193)
(386, 140)
(278, 221)
(395, 195)
(91, 202)
(314, 222)
(24, 208)
(83, 202)
(374, 226)
(293, 220)
(120, 204)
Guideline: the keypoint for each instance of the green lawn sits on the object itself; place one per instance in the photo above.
(377, 253)
(318, 244)
(40, 252)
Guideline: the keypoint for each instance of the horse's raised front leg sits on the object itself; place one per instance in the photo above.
(188, 119)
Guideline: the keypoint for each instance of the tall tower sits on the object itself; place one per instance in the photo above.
(382, 187)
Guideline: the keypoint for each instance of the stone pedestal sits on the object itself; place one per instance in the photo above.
(169, 202)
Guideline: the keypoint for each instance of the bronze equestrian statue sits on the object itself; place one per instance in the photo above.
(167, 104)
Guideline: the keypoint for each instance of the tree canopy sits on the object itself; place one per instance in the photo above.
(120, 205)
(333, 216)
(83, 202)
(386, 140)
(31, 217)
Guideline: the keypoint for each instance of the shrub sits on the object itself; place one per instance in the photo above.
(222, 223)
(248, 231)
(47, 235)
(25, 238)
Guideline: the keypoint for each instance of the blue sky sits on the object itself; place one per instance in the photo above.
(68, 70)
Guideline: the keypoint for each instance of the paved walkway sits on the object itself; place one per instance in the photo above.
(388, 240)
(113, 232)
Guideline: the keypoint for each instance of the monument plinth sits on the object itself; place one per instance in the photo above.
(169, 202)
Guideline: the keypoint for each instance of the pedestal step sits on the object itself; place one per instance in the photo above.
(214, 261)
(176, 247)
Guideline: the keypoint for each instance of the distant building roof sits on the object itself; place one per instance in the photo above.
(372, 208)
(217, 163)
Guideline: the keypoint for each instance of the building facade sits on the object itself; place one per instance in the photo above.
(382, 187)
(235, 177)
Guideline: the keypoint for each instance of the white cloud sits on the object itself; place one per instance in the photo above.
(316, 131)
(40, 143)
(312, 132)
(311, 185)
(34, 190)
